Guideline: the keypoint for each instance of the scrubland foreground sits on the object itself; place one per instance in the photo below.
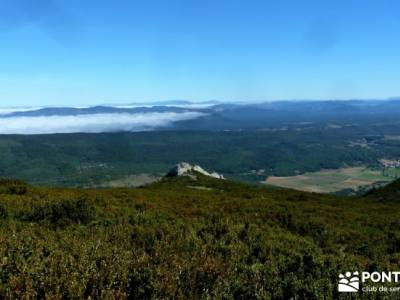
(182, 238)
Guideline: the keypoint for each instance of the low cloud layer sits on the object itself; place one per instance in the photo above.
(93, 123)
(7, 111)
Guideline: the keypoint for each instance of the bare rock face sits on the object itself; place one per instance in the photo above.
(186, 169)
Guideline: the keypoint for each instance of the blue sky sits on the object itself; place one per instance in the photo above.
(70, 52)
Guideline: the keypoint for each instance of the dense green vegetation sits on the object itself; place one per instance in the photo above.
(87, 159)
(390, 192)
(189, 239)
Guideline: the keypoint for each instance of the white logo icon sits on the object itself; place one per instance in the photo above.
(349, 282)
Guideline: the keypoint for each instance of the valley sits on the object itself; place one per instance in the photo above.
(134, 158)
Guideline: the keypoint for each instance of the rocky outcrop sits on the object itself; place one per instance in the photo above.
(186, 169)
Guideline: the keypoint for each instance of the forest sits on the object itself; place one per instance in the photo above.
(90, 159)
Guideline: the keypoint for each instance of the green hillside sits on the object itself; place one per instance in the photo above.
(390, 192)
(189, 239)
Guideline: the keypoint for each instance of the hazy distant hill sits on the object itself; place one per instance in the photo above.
(219, 116)
(283, 113)
(71, 111)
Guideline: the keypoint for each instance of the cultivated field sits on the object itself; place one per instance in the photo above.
(329, 181)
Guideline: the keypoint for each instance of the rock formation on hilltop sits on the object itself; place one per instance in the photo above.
(186, 169)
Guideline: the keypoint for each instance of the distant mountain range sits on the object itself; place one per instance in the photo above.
(211, 115)
(177, 106)
(71, 111)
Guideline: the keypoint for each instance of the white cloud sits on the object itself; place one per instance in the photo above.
(93, 123)
(7, 111)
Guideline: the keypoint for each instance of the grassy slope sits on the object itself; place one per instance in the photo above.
(173, 239)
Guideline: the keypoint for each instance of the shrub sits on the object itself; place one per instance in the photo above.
(13, 187)
(62, 212)
(141, 283)
(3, 212)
